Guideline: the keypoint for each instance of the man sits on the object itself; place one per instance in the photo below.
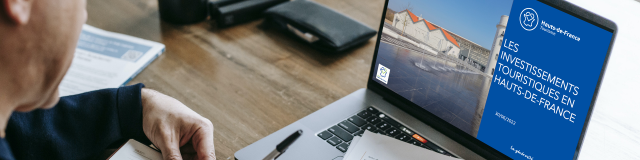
(37, 42)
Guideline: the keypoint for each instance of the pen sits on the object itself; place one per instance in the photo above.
(280, 148)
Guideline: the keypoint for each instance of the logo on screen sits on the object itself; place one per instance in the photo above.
(383, 73)
(529, 19)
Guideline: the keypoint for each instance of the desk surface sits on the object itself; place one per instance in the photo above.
(251, 82)
(248, 81)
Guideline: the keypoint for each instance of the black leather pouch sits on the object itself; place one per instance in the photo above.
(323, 28)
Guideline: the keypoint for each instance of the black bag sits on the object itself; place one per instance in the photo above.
(323, 28)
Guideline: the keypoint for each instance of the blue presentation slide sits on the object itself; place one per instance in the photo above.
(545, 78)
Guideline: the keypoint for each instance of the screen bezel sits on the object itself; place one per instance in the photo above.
(462, 137)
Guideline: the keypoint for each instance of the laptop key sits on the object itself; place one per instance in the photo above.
(343, 147)
(372, 110)
(434, 147)
(325, 135)
(403, 137)
(389, 120)
(419, 138)
(414, 142)
(393, 132)
(426, 147)
(348, 126)
(357, 121)
(334, 141)
(383, 126)
(369, 127)
(364, 114)
(406, 130)
(344, 135)
(374, 120)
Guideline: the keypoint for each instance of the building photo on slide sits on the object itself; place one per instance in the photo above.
(442, 55)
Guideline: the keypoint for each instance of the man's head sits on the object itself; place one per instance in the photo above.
(37, 43)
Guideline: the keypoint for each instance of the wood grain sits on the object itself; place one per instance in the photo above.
(251, 82)
(248, 81)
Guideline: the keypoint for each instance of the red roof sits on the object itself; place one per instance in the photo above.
(446, 34)
(429, 25)
(414, 18)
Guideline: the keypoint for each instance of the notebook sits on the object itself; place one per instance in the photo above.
(106, 59)
(134, 150)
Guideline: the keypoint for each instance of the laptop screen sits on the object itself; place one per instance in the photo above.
(517, 75)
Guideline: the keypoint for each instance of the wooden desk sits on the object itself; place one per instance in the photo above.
(248, 81)
(251, 82)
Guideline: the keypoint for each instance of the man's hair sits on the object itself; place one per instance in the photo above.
(3, 16)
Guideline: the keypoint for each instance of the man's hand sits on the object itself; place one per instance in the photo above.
(179, 132)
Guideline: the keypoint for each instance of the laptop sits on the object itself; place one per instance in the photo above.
(451, 77)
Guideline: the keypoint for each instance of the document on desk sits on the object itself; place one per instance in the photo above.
(373, 146)
(134, 150)
(106, 59)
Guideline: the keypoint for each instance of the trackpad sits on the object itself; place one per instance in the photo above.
(308, 146)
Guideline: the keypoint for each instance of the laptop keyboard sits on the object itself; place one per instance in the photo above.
(341, 134)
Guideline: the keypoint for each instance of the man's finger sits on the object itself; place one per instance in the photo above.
(171, 153)
(203, 143)
(171, 147)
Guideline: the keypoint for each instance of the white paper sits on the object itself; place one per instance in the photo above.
(134, 150)
(379, 147)
(352, 145)
(106, 60)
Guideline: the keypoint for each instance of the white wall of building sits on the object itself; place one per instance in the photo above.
(434, 38)
(418, 29)
(454, 51)
(438, 40)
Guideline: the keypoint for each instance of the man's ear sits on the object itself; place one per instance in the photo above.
(18, 11)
